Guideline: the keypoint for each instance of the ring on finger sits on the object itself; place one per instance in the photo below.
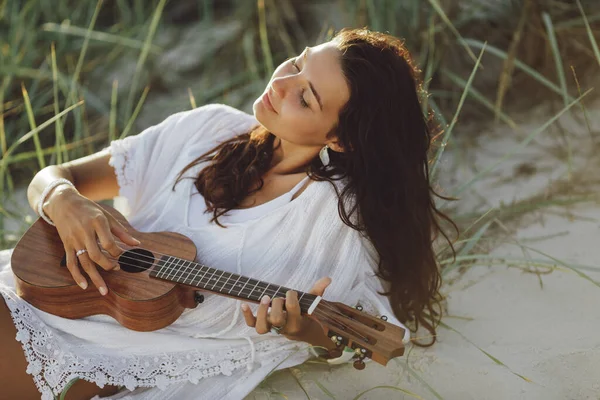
(277, 329)
(80, 252)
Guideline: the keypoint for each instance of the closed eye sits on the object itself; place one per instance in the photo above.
(302, 101)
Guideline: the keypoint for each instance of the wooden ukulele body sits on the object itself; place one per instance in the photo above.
(134, 299)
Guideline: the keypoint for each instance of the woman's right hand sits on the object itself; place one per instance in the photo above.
(80, 223)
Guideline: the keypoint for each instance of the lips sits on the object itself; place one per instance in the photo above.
(267, 101)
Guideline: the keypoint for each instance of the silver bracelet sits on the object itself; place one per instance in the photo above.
(50, 186)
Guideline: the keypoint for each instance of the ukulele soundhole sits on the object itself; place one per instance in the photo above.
(136, 260)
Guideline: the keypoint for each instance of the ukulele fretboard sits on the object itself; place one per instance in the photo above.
(190, 273)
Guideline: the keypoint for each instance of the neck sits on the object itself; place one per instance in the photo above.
(190, 273)
(290, 158)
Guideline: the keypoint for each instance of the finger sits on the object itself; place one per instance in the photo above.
(95, 254)
(292, 306)
(248, 316)
(107, 240)
(74, 268)
(262, 325)
(319, 287)
(89, 267)
(277, 316)
(121, 232)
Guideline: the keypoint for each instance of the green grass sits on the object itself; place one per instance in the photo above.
(51, 55)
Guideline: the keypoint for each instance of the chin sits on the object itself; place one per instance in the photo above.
(260, 114)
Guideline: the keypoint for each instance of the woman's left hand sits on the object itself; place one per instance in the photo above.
(290, 322)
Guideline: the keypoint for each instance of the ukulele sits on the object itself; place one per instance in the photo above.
(158, 279)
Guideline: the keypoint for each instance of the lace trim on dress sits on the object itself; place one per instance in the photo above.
(52, 366)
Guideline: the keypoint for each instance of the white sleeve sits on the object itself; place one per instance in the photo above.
(144, 163)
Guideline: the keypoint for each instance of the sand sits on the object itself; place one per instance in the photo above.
(540, 326)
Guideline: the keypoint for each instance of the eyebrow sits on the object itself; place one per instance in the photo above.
(306, 50)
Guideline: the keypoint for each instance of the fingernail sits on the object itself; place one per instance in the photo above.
(83, 285)
(265, 299)
(136, 241)
(244, 307)
(103, 291)
(117, 267)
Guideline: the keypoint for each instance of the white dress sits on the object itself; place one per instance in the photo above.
(209, 352)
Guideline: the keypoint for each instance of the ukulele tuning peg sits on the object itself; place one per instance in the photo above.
(360, 352)
(337, 340)
(383, 317)
(359, 364)
(359, 307)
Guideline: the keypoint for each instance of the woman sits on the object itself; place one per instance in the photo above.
(326, 187)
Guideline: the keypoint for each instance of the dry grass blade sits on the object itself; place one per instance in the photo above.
(278, 393)
(408, 392)
(249, 54)
(143, 55)
(583, 108)
(507, 70)
(491, 357)
(482, 99)
(455, 118)
(31, 133)
(291, 354)
(468, 246)
(82, 53)
(324, 389)
(520, 146)
(438, 8)
(135, 113)
(2, 131)
(589, 32)
(264, 39)
(518, 64)
(60, 137)
(96, 35)
(515, 261)
(418, 377)
(293, 374)
(464, 232)
(32, 124)
(521, 207)
(72, 145)
(557, 57)
(112, 121)
(192, 98)
(67, 387)
(564, 264)
(429, 65)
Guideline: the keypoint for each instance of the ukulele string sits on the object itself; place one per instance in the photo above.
(190, 268)
(306, 303)
(344, 327)
(220, 282)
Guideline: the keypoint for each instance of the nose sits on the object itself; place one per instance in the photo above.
(281, 85)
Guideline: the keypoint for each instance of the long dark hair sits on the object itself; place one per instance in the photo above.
(385, 171)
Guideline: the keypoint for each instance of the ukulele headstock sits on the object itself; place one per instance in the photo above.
(369, 336)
